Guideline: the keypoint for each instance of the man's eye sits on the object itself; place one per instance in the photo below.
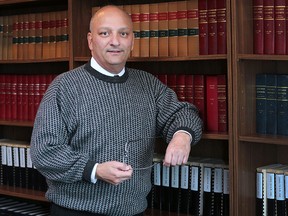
(104, 33)
(124, 34)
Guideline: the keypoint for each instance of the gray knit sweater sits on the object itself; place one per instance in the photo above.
(86, 117)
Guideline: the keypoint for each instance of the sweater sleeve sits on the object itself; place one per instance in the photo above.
(51, 153)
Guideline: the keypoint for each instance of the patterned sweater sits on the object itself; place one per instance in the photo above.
(86, 117)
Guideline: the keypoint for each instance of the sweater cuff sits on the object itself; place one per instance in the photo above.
(88, 170)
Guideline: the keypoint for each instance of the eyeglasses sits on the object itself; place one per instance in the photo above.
(128, 145)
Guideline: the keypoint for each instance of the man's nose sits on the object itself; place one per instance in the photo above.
(115, 40)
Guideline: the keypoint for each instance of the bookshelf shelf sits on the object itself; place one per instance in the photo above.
(265, 139)
(23, 193)
(262, 57)
(17, 123)
(64, 60)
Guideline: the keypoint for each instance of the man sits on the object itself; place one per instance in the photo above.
(92, 137)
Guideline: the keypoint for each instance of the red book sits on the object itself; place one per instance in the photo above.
(222, 103)
(286, 19)
(189, 93)
(212, 103)
(2, 96)
(280, 27)
(269, 27)
(20, 79)
(180, 86)
(221, 27)
(162, 78)
(31, 106)
(258, 27)
(43, 85)
(37, 95)
(14, 92)
(25, 96)
(171, 81)
(199, 96)
(203, 27)
(212, 26)
(8, 80)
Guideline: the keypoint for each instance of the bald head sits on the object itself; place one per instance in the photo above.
(110, 11)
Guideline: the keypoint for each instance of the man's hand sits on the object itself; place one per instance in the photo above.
(114, 172)
(178, 150)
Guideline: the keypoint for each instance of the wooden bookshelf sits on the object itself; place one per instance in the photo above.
(251, 150)
(222, 146)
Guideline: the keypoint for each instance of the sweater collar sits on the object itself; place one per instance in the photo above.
(106, 78)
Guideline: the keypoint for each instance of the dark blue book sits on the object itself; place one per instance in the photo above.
(271, 98)
(282, 105)
(261, 118)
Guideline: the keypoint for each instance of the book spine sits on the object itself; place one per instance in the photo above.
(221, 27)
(271, 98)
(199, 96)
(25, 36)
(182, 28)
(64, 34)
(258, 27)
(1, 36)
(286, 190)
(282, 105)
(259, 194)
(180, 87)
(153, 34)
(218, 191)
(208, 197)
(157, 186)
(226, 192)
(15, 38)
(10, 38)
(193, 27)
(58, 26)
(32, 36)
(212, 26)
(269, 27)
(271, 201)
(172, 29)
(203, 27)
(175, 189)
(45, 35)
(222, 103)
(144, 30)
(165, 189)
(280, 194)
(195, 195)
(38, 36)
(14, 97)
(280, 27)
(5, 37)
(188, 91)
(184, 189)
(31, 100)
(163, 29)
(8, 84)
(135, 15)
(261, 104)
(212, 103)
(2, 96)
(52, 35)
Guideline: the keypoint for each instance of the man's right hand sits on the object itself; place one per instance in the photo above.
(113, 172)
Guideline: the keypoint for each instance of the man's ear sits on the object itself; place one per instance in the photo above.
(89, 40)
(132, 42)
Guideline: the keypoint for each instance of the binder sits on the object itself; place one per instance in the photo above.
(175, 189)
(156, 194)
(226, 190)
(184, 189)
(165, 189)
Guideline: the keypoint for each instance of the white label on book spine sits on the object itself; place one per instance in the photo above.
(29, 162)
(218, 176)
(4, 155)
(207, 179)
(286, 187)
(194, 178)
(184, 177)
(259, 185)
(22, 158)
(280, 187)
(175, 177)
(166, 176)
(226, 181)
(157, 174)
(270, 186)
(9, 156)
(16, 156)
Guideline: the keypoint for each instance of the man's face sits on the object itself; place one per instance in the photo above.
(111, 39)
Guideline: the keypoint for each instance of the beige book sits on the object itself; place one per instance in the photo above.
(15, 37)
(144, 30)
(38, 36)
(25, 36)
(173, 29)
(10, 38)
(5, 38)
(58, 23)
(64, 34)
(1, 36)
(193, 27)
(182, 28)
(135, 14)
(52, 34)
(45, 35)
(163, 29)
(154, 22)
(32, 36)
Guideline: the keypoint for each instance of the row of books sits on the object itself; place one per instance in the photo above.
(34, 36)
(201, 187)
(270, 25)
(10, 206)
(272, 104)
(20, 95)
(16, 167)
(207, 92)
(178, 28)
(272, 190)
